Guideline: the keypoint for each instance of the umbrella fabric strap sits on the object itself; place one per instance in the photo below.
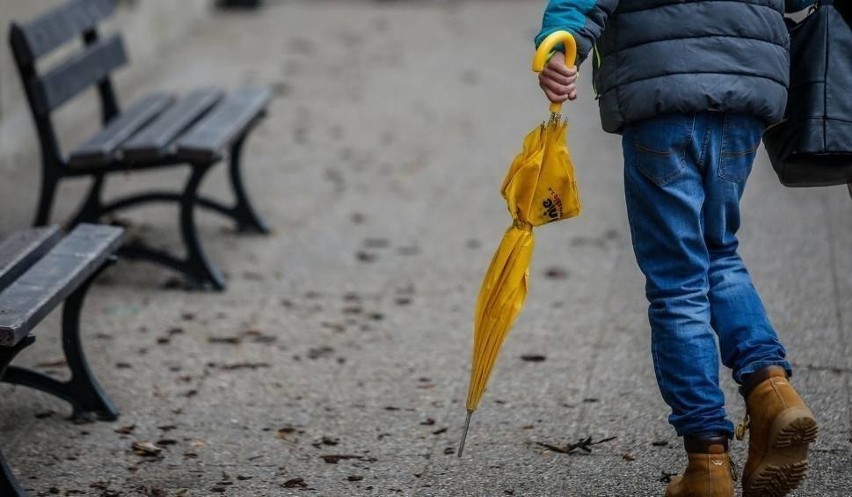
(522, 225)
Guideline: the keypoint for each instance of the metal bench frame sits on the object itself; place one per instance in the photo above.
(92, 67)
(87, 398)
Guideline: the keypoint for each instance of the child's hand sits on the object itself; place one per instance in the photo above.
(558, 81)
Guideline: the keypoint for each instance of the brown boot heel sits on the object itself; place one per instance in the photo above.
(784, 427)
(795, 427)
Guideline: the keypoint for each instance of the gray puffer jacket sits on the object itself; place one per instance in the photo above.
(654, 57)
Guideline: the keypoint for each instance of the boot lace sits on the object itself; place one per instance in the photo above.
(733, 468)
(742, 428)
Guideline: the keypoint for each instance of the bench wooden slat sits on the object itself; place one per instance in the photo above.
(77, 73)
(50, 30)
(152, 142)
(206, 141)
(53, 278)
(21, 249)
(102, 147)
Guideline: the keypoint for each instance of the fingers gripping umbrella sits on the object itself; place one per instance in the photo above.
(539, 188)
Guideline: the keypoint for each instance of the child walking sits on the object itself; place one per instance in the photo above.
(691, 86)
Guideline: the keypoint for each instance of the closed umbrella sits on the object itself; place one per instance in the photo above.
(539, 188)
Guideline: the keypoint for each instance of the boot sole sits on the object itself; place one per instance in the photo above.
(784, 466)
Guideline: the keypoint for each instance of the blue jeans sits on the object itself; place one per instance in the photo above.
(684, 177)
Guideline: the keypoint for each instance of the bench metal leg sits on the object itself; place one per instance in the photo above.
(8, 483)
(92, 209)
(8, 354)
(244, 212)
(199, 265)
(195, 265)
(87, 398)
(49, 182)
(9, 486)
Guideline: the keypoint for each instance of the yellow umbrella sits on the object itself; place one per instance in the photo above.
(539, 188)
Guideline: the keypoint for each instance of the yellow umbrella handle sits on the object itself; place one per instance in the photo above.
(547, 46)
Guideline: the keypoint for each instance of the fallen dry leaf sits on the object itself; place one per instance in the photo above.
(146, 449)
(295, 483)
(336, 458)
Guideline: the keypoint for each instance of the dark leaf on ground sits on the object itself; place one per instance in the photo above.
(666, 477)
(153, 491)
(285, 432)
(319, 352)
(146, 449)
(336, 458)
(244, 365)
(584, 444)
(366, 256)
(258, 336)
(295, 483)
(556, 273)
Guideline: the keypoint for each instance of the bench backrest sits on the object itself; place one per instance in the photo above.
(48, 90)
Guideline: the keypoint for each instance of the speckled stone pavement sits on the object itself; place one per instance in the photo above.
(336, 363)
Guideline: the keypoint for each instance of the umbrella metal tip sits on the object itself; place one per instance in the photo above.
(464, 433)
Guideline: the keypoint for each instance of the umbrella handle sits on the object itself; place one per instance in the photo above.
(546, 47)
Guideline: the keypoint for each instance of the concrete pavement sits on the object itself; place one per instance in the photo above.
(336, 363)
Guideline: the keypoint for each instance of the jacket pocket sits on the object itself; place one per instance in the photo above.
(740, 139)
(661, 145)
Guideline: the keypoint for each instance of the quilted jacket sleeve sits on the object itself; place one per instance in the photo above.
(585, 19)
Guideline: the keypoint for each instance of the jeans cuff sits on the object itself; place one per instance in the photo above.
(751, 368)
(722, 427)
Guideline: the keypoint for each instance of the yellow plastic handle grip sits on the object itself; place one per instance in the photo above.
(547, 46)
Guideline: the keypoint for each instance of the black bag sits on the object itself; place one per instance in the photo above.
(812, 146)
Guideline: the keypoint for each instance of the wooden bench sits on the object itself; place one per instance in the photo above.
(160, 130)
(39, 270)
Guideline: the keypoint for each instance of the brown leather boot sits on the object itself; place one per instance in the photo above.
(708, 473)
(781, 428)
